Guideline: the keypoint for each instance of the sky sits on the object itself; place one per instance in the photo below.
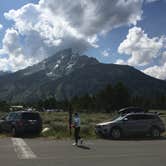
(125, 32)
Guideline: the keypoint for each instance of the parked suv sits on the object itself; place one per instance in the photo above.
(21, 122)
(132, 124)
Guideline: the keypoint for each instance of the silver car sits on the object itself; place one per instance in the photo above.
(132, 124)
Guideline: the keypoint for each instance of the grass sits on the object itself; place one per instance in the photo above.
(59, 128)
(58, 123)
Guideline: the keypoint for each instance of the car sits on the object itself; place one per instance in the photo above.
(21, 122)
(132, 124)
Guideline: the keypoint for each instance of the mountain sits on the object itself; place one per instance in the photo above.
(67, 74)
(2, 73)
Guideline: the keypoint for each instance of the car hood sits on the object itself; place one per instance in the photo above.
(105, 123)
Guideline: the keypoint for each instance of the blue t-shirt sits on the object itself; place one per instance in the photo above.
(76, 121)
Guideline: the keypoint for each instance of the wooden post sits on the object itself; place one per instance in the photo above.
(70, 119)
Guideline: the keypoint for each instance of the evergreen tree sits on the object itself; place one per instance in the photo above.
(121, 97)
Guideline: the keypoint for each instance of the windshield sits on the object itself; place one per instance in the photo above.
(30, 116)
(117, 118)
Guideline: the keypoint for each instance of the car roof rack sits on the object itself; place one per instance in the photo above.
(128, 110)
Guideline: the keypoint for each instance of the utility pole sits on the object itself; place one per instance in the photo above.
(70, 118)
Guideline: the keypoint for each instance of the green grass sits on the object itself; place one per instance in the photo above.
(58, 124)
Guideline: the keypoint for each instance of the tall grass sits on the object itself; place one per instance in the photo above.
(57, 122)
(59, 128)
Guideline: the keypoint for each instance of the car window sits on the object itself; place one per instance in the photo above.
(117, 118)
(135, 117)
(11, 116)
(17, 116)
(30, 116)
(141, 117)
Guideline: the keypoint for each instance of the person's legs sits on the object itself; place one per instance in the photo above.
(75, 136)
(77, 133)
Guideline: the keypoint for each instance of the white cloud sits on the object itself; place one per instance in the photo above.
(145, 51)
(42, 29)
(142, 49)
(151, 1)
(11, 46)
(106, 53)
(157, 71)
(163, 58)
(94, 16)
(120, 62)
(1, 26)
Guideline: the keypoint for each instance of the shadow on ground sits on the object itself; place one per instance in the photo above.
(83, 147)
(31, 136)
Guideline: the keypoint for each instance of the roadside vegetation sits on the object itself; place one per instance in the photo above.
(58, 125)
(59, 128)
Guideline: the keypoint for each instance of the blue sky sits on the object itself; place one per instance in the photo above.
(8, 5)
(153, 23)
(127, 33)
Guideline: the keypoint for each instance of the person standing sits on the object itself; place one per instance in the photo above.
(76, 125)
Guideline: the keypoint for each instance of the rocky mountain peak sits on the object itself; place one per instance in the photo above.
(60, 64)
(67, 74)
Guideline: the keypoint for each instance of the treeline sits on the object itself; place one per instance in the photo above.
(107, 100)
(4, 106)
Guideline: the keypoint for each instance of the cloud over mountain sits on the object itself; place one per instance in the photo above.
(144, 51)
(140, 47)
(40, 30)
(158, 71)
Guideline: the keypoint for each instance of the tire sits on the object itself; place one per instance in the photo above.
(116, 133)
(38, 132)
(13, 132)
(155, 132)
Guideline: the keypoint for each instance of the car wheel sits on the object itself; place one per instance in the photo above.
(38, 132)
(13, 132)
(155, 132)
(116, 133)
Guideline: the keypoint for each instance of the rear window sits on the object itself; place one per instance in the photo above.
(30, 116)
(141, 117)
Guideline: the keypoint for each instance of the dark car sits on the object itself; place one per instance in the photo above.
(21, 122)
(132, 124)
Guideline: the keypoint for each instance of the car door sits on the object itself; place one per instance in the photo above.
(134, 124)
(129, 124)
(7, 124)
(3, 122)
(142, 125)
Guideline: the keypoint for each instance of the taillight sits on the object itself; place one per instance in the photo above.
(20, 123)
